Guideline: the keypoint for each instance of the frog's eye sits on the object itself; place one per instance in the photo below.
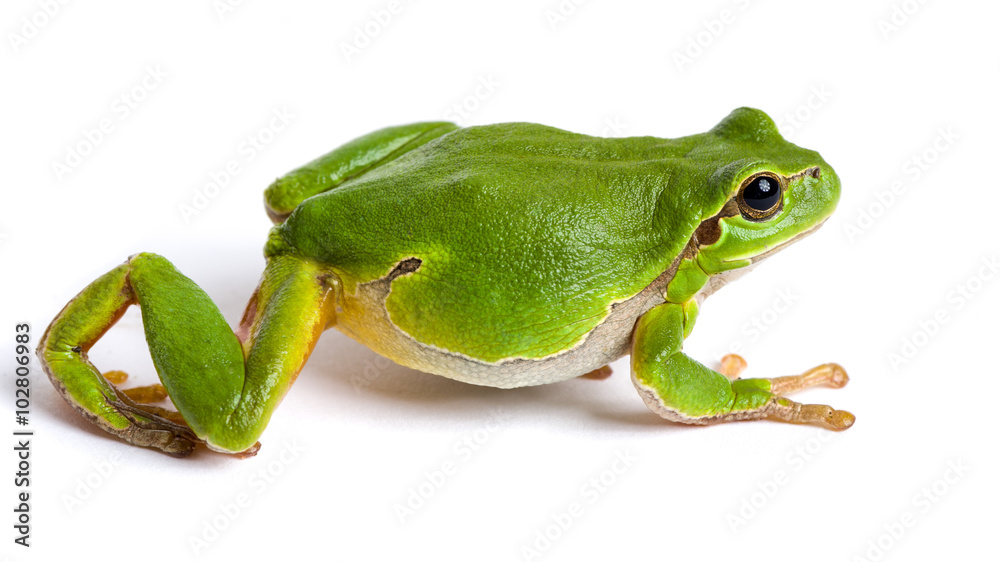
(760, 196)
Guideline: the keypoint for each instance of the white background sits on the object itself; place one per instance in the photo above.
(915, 478)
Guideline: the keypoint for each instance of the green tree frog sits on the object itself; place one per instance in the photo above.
(503, 255)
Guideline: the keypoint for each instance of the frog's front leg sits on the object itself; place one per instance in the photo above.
(225, 385)
(679, 388)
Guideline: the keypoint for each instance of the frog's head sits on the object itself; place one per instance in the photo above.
(768, 192)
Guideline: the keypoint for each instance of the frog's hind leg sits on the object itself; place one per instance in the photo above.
(225, 385)
(346, 162)
(680, 389)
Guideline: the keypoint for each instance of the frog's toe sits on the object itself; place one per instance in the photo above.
(146, 394)
(830, 374)
(820, 414)
(841, 419)
(155, 427)
(115, 377)
(731, 365)
(138, 394)
(598, 374)
(166, 440)
(838, 376)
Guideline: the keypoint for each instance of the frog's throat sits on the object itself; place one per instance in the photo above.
(708, 233)
(719, 280)
(783, 245)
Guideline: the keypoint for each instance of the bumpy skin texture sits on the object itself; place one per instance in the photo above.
(571, 225)
(506, 255)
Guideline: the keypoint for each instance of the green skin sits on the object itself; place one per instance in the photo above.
(508, 250)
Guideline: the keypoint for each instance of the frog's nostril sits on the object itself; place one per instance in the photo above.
(814, 172)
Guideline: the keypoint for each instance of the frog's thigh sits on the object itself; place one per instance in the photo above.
(679, 388)
(348, 161)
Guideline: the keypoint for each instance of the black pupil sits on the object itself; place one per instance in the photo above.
(762, 194)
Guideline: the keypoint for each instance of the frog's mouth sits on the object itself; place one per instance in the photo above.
(779, 247)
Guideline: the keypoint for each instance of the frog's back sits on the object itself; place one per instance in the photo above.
(503, 241)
